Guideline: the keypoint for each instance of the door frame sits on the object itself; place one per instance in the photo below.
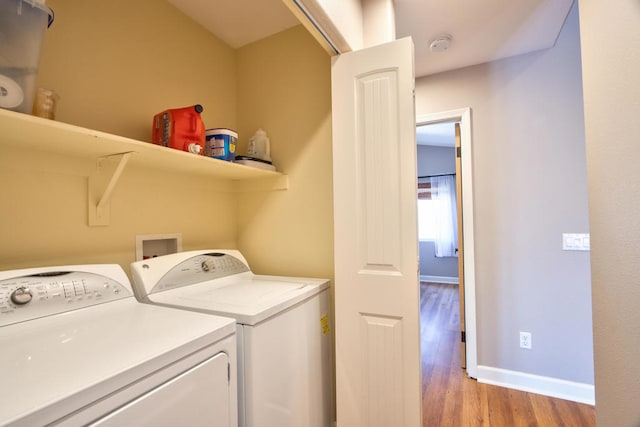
(463, 115)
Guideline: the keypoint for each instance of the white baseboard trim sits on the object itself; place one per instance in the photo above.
(439, 279)
(547, 386)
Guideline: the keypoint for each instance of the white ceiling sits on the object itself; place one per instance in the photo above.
(239, 22)
(481, 30)
(438, 134)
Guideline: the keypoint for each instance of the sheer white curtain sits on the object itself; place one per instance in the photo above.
(443, 193)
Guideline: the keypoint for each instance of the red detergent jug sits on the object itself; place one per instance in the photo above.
(180, 128)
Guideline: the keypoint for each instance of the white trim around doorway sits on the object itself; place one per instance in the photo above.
(463, 116)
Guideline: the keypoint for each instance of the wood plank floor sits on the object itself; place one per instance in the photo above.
(450, 398)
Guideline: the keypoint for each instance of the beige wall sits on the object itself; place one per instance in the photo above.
(44, 215)
(117, 63)
(612, 105)
(285, 88)
(105, 59)
(530, 187)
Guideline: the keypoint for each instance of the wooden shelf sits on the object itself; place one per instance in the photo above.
(34, 133)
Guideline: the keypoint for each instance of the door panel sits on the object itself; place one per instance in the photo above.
(376, 250)
(197, 397)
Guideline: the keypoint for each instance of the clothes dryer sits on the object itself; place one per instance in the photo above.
(285, 375)
(78, 349)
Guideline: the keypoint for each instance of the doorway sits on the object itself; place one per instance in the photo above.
(467, 270)
(437, 210)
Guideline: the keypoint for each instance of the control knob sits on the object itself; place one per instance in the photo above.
(21, 295)
(207, 265)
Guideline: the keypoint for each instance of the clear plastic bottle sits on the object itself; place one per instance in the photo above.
(45, 103)
(259, 146)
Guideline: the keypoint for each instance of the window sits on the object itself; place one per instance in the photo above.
(437, 214)
(426, 220)
(426, 216)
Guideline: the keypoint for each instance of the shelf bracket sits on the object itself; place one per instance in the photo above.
(101, 184)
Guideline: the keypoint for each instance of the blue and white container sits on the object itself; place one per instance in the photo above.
(221, 144)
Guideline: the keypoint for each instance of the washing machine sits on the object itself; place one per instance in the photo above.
(285, 375)
(77, 348)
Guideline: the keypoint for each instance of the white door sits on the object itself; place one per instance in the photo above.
(376, 250)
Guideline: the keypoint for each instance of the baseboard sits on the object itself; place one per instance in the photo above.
(547, 386)
(439, 279)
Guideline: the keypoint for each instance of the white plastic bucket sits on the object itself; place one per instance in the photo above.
(221, 144)
(22, 27)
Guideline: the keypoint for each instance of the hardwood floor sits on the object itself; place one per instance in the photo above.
(450, 398)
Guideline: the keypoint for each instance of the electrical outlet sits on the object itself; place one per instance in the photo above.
(525, 340)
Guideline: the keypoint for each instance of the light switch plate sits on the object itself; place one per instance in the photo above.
(576, 242)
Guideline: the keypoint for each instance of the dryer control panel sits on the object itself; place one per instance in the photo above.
(190, 269)
(51, 292)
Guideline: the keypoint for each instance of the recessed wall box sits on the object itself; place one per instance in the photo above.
(153, 245)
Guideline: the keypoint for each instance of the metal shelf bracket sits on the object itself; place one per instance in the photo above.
(101, 184)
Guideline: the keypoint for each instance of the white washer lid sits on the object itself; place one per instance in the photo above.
(248, 300)
(58, 364)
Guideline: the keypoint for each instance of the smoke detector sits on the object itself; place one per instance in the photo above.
(440, 43)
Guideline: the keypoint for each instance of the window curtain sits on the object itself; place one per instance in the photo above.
(443, 193)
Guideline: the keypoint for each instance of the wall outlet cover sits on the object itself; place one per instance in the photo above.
(525, 340)
(576, 242)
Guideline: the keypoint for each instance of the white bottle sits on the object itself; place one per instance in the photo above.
(259, 146)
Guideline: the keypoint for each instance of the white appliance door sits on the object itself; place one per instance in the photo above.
(197, 397)
(287, 368)
(375, 235)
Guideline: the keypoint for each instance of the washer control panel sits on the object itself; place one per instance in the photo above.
(43, 294)
(199, 268)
